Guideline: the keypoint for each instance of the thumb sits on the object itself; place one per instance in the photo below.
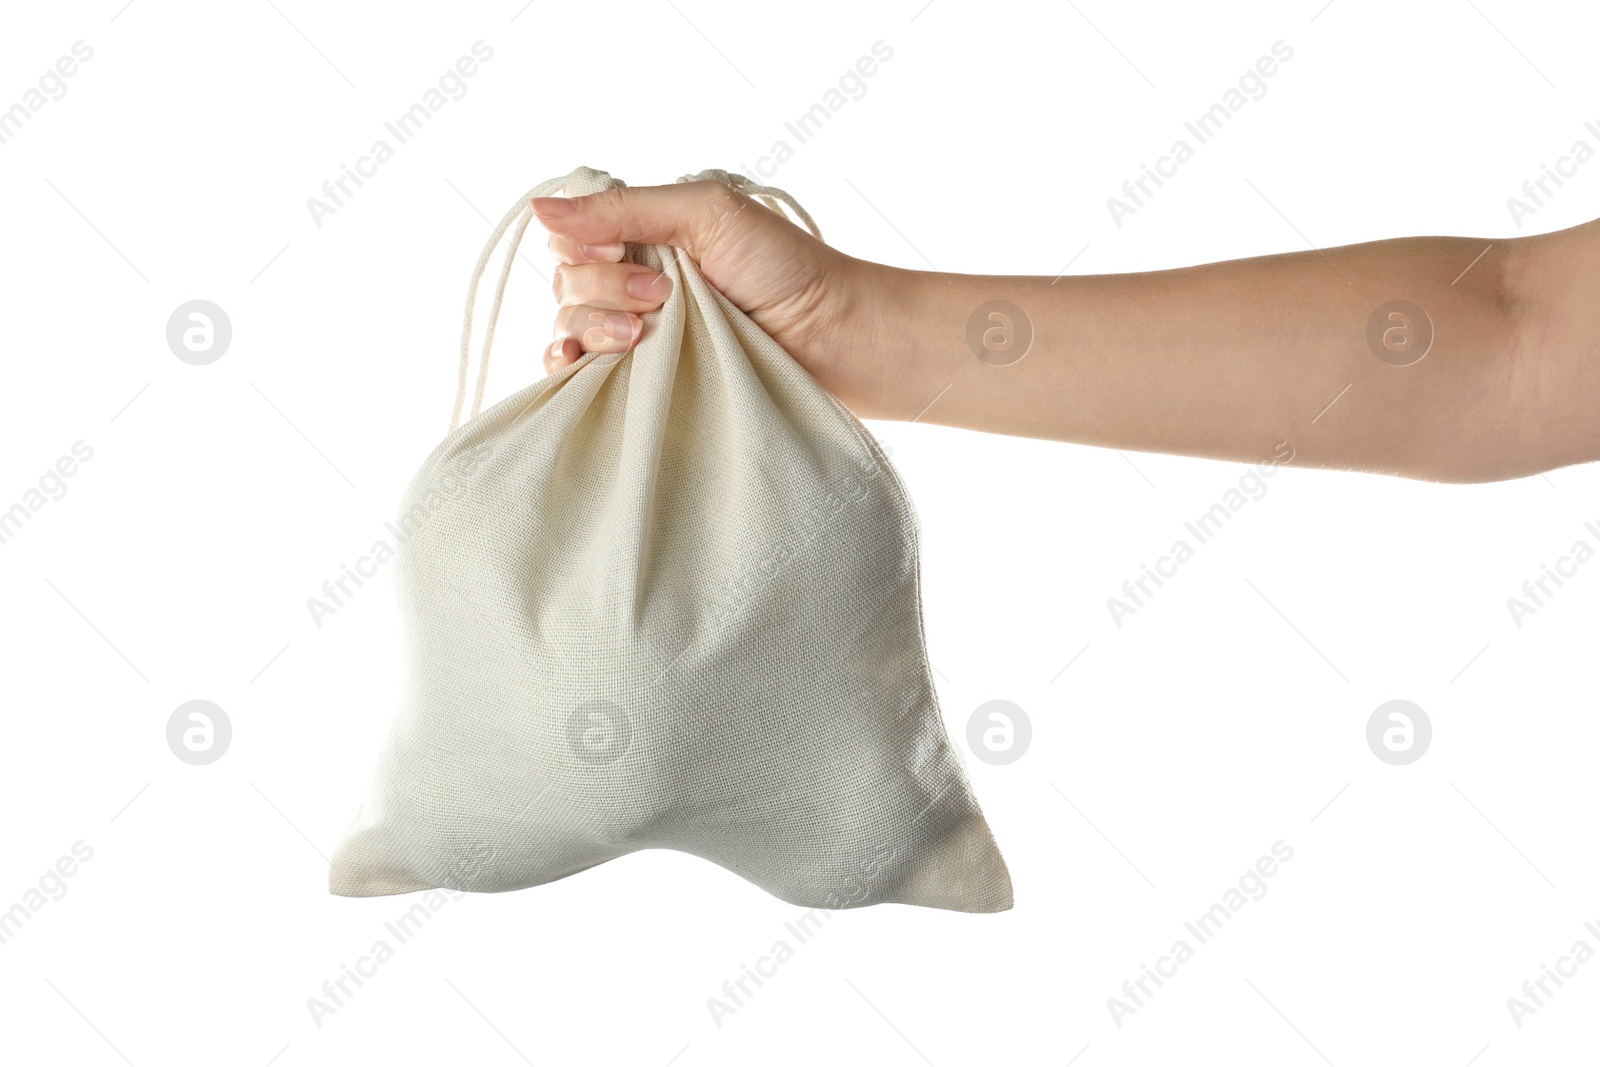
(689, 215)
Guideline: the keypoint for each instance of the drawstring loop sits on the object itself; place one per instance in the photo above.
(766, 194)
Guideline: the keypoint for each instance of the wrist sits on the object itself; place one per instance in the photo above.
(899, 354)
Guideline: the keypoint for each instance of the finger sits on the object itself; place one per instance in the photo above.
(577, 252)
(689, 215)
(627, 286)
(599, 329)
(560, 354)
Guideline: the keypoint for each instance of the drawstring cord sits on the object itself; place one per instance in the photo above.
(517, 221)
(764, 193)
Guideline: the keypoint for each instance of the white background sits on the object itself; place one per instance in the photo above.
(1227, 715)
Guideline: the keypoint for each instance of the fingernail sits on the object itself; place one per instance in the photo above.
(643, 286)
(553, 207)
(610, 250)
(619, 327)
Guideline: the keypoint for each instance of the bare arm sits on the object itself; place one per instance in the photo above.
(1225, 360)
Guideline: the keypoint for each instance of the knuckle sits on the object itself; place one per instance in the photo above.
(615, 202)
(717, 195)
(719, 203)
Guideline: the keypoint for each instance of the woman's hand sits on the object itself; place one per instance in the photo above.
(809, 297)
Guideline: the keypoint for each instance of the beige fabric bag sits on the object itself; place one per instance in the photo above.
(667, 599)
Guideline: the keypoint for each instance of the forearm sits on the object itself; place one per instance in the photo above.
(1228, 360)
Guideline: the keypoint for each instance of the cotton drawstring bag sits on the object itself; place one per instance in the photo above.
(666, 599)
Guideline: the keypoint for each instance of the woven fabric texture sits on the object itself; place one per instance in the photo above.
(668, 599)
